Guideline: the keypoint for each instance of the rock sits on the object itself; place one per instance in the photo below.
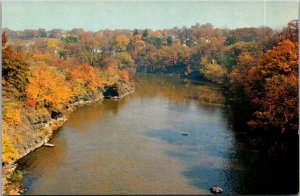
(117, 90)
(56, 114)
(216, 190)
(49, 145)
(111, 91)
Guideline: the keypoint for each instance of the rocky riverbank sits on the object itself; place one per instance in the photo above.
(38, 126)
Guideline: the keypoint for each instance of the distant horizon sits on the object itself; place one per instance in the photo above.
(140, 29)
(156, 15)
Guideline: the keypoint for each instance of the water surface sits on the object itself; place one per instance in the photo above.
(135, 146)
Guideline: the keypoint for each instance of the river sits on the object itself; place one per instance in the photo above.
(166, 138)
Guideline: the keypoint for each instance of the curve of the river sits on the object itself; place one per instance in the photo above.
(166, 138)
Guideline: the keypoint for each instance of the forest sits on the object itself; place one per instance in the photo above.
(43, 70)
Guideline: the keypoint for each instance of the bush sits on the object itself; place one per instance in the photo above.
(9, 153)
(214, 73)
(47, 85)
(84, 76)
(12, 117)
(30, 103)
(124, 75)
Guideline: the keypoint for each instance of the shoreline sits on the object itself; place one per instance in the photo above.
(49, 128)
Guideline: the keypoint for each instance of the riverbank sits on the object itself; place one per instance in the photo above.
(37, 127)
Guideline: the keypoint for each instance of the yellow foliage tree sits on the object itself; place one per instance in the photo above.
(121, 42)
(9, 153)
(12, 117)
(47, 85)
(52, 44)
(214, 72)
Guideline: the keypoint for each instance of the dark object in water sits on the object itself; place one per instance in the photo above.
(216, 190)
(185, 134)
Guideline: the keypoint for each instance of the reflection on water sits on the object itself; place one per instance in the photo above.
(169, 88)
(135, 146)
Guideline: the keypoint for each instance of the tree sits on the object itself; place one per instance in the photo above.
(272, 86)
(47, 86)
(4, 39)
(9, 153)
(135, 32)
(239, 73)
(121, 42)
(145, 35)
(169, 40)
(232, 52)
(125, 61)
(89, 52)
(14, 67)
(230, 39)
(214, 72)
(84, 78)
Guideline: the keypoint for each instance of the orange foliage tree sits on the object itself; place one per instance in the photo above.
(124, 75)
(84, 77)
(272, 86)
(48, 86)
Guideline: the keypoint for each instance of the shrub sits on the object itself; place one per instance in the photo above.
(48, 85)
(9, 153)
(214, 73)
(30, 103)
(84, 76)
(12, 117)
(124, 75)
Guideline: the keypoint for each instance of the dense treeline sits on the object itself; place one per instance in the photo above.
(39, 78)
(258, 65)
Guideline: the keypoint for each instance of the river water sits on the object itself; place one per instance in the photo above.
(166, 138)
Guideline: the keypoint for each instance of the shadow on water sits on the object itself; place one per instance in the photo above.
(167, 137)
(216, 154)
(215, 149)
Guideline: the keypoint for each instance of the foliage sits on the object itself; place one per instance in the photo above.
(9, 153)
(124, 75)
(230, 39)
(4, 39)
(239, 73)
(262, 64)
(121, 43)
(30, 103)
(12, 116)
(232, 52)
(272, 86)
(214, 72)
(125, 60)
(84, 77)
(14, 69)
(42, 56)
(47, 86)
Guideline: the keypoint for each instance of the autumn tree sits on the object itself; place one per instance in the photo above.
(121, 43)
(232, 52)
(89, 52)
(272, 86)
(84, 78)
(4, 39)
(9, 153)
(47, 86)
(125, 61)
(14, 67)
(239, 73)
(214, 72)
